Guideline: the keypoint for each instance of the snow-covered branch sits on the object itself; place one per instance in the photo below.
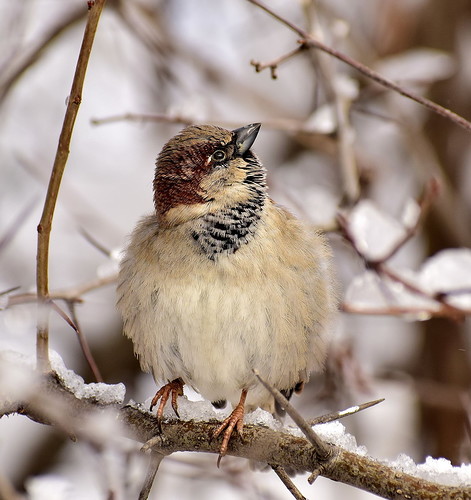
(62, 400)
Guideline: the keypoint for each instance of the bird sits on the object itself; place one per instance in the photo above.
(220, 281)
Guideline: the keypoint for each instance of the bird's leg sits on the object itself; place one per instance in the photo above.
(174, 389)
(235, 419)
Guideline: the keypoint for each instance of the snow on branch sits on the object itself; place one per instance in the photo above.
(441, 287)
(94, 413)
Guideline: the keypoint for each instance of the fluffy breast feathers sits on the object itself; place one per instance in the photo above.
(211, 321)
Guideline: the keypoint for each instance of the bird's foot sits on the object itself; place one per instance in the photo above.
(173, 389)
(234, 420)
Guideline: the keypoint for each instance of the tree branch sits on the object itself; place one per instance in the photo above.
(62, 153)
(262, 444)
(273, 65)
(310, 41)
(286, 480)
(20, 62)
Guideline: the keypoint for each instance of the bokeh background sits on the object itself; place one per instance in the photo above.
(185, 61)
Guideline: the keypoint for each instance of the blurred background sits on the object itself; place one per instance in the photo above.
(331, 140)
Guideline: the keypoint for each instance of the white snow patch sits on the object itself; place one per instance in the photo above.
(437, 470)
(199, 411)
(15, 380)
(203, 411)
(410, 213)
(103, 427)
(99, 392)
(13, 373)
(449, 271)
(48, 487)
(323, 120)
(262, 417)
(375, 232)
(346, 87)
(108, 269)
(368, 290)
(334, 432)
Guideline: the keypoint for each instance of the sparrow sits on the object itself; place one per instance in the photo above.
(220, 281)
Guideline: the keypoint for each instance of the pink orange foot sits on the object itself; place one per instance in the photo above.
(173, 389)
(234, 420)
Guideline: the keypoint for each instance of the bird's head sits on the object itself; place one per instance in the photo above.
(204, 169)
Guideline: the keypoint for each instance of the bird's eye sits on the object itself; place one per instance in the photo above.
(219, 155)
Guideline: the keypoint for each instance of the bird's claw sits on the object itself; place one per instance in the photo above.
(172, 389)
(234, 420)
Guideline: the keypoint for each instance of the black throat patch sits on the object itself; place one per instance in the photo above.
(227, 230)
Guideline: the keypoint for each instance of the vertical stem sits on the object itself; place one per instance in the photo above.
(154, 464)
(62, 154)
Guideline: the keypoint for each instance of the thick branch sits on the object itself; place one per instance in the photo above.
(259, 443)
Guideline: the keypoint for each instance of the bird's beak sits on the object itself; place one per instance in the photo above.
(245, 137)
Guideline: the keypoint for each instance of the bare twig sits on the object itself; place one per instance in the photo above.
(291, 126)
(63, 315)
(143, 117)
(348, 164)
(73, 294)
(20, 62)
(9, 290)
(380, 267)
(290, 486)
(95, 243)
(62, 153)
(450, 311)
(285, 124)
(13, 228)
(420, 313)
(342, 101)
(273, 65)
(310, 41)
(323, 450)
(155, 460)
(83, 343)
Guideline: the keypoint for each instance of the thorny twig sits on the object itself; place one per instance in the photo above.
(337, 415)
(323, 450)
